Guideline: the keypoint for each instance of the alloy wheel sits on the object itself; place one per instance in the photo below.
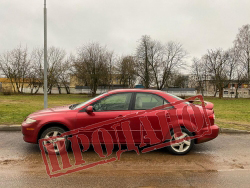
(181, 146)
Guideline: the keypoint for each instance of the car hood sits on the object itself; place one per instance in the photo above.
(51, 110)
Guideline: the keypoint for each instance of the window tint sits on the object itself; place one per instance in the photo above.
(114, 102)
(146, 101)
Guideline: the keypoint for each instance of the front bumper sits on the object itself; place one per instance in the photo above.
(207, 133)
(29, 132)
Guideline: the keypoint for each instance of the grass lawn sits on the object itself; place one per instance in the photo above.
(14, 108)
(230, 113)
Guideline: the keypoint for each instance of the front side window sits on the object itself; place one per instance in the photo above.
(86, 102)
(145, 101)
(119, 101)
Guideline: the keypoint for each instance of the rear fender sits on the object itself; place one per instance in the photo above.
(187, 124)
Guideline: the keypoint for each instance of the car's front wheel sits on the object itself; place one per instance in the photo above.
(56, 145)
(183, 147)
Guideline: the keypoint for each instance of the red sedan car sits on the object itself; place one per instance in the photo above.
(121, 103)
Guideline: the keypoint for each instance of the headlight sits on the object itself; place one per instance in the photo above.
(29, 120)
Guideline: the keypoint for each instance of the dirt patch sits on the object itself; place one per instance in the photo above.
(8, 161)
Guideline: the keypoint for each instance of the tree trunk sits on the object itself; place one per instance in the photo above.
(146, 71)
(67, 89)
(94, 90)
(59, 89)
(215, 92)
(202, 92)
(50, 90)
(37, 89)
(13, 85)
(236, 94)
(221, 93)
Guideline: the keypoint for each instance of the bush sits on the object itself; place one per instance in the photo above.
(7, 91)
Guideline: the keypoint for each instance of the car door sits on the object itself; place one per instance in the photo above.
(110, 107)
(146, 101)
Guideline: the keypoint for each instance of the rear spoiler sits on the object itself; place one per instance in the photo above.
(208, 106)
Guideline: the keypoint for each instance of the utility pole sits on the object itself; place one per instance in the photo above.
(45, 58)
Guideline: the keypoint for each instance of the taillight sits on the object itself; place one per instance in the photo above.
(211, 118)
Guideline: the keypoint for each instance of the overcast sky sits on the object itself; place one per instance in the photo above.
(197, 24)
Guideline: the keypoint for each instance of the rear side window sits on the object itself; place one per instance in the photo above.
(145, 101)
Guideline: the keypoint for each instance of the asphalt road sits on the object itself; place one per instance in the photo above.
(223, 162)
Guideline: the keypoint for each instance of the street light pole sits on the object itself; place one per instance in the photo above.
(45, 58)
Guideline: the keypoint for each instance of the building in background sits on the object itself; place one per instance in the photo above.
(181, 92)
(204, 83)
(79, 86)
(22, 85)
(233, 88)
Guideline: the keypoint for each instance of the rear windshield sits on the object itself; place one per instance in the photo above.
(178, 98)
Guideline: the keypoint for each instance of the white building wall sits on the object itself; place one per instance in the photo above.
(63, 91)
(182, 93)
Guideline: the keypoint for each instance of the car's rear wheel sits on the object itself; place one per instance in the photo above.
(55, 145)
(183, 147)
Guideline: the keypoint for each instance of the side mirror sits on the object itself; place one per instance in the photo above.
(89, 109)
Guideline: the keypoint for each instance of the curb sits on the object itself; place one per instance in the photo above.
(10, 127)
(233, 131)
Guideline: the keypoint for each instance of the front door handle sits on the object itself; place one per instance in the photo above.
(120, 116)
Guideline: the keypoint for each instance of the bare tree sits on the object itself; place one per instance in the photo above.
(15, 65)
(237, 69)
(36, 73)
(34, 79)
(126, 69)
(92, 65)
(198, 72)
(216, 62)
(65, 69)
(242, 45)
(180, 80)
(142, 60)
(156, 62)
(110, 69)
(173, 60)
(55, 68)
(55, 60)
(241, 77)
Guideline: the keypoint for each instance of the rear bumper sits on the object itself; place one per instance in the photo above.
(207, 133)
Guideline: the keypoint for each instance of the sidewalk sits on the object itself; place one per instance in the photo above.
(222, 130)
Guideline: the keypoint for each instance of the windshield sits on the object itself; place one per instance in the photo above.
(178, 98)
(82, 104)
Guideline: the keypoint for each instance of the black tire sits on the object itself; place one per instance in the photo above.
(50, 132)
(177, 150)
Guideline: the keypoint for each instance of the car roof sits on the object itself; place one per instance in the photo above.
(135, 90)
(163, 94)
